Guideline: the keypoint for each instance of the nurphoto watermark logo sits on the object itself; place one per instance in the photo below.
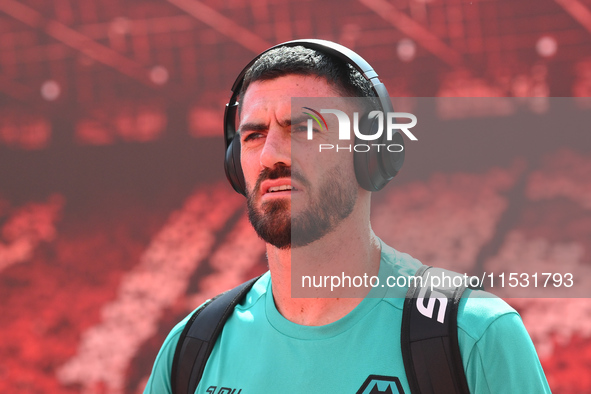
(381, 122)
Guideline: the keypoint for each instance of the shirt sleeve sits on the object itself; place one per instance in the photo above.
(159, 382)
(504, 360)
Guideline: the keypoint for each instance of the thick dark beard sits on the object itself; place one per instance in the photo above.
(333, 202)
(273, 225)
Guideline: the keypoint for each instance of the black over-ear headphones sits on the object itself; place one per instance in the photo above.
(373, 168)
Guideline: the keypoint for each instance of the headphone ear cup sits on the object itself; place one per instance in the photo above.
(375, 167)
(233, 167)
(393, 160)
(366, 163)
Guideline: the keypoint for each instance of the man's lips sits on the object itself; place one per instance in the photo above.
(278, 187)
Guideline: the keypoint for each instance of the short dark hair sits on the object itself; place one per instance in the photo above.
(298, 60)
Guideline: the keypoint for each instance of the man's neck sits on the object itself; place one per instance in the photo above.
(351, 250)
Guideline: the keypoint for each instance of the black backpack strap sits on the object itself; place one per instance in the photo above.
(429, 336)
(199, 336)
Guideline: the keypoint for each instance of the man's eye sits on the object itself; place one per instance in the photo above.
(304, 128)
(251, 137)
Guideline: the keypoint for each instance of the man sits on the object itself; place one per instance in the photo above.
(314, 217)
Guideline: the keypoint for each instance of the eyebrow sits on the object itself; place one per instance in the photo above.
(254, 126)
(299, 119)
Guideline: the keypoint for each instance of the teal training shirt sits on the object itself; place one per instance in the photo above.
(259, 351)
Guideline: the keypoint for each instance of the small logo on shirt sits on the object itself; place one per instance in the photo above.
(222, 390)
(376, 384)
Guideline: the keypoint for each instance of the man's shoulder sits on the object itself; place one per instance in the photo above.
(256, 292)
(479, 310)
(159, 381)
(398, 263)
(490, 330)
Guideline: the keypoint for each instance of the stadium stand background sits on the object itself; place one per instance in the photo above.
(116, 220)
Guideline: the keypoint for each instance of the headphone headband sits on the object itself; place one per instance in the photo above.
(328, 47)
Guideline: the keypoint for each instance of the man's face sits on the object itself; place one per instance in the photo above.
(295, 195)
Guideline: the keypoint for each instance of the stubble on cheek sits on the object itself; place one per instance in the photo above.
(272, 221)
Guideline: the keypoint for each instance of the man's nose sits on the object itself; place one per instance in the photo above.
(277, 148)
